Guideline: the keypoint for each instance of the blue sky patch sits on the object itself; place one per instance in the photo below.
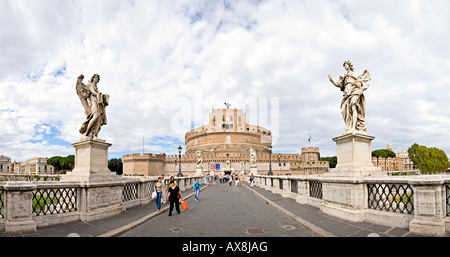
(47, 133)
(60, 71)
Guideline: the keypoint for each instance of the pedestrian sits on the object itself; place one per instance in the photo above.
(173, 197)
(251, 180)
(230, 180)
(241, 180)
(214, 180)
(236, 180)
(164, 189)
(197, 188)
(172, 179)
(158, 187)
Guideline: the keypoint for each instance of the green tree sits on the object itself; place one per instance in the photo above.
(55, 161)
(383, 153)
(428, 160)
(331, 160)
(68, 162)
(62, 163)
(115, 165)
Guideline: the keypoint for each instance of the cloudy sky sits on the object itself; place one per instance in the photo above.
(166, 64)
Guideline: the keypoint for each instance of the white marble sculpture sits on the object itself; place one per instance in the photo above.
(252, 156)
(94, 103)
(353, 103)
(199, 158)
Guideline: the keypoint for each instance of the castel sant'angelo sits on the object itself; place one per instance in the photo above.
(223, 146)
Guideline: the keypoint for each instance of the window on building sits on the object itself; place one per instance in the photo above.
(227, 126)
(231, 118)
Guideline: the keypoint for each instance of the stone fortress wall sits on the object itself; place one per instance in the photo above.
(226, 141)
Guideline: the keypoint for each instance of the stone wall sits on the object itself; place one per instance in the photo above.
(419, 203)
(21, 210)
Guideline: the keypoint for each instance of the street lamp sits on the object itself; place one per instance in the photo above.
(270, 161)
(179, 162)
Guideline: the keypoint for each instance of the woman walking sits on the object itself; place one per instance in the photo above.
(197, 188)
(158, 187)
(174, 195)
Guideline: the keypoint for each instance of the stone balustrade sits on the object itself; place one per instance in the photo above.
(419, 203)
(25, 205)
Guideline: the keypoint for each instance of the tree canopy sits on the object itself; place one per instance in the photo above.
(62, 163)
(331, 160)
(115, 165)
(383, 153)
(429, 160)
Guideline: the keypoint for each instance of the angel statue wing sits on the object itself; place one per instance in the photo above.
(365, 79)
(82, 93)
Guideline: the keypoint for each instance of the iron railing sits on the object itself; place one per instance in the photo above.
(150, 187)
(54, 200)
(294, 186)
(391, 197)
(315, 189)
(130, 192)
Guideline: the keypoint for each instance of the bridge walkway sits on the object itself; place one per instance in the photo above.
(223, 211)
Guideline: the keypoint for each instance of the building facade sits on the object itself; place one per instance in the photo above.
(5, 164)
(224, 147)
(36, 166)
(400, 162)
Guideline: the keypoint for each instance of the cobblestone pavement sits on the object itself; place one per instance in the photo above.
(222, 211)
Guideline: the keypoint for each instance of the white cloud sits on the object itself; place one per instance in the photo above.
(165, 60)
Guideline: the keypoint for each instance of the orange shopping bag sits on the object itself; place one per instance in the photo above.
(184, 205)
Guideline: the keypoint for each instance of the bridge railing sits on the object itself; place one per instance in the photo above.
(27, 205)
(420, 203)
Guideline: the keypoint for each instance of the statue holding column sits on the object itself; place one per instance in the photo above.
(91, 153)
(94, 103)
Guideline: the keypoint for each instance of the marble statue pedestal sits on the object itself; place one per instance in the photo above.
(254, 169)
(91, 163)
(199, 171)
(354, 156)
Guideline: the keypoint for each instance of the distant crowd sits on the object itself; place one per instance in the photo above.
(166, 190)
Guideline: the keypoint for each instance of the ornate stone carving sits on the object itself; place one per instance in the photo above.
(353, 105)
(94, 103)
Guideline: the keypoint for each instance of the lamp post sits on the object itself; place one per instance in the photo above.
(179, 162)
(270, 161)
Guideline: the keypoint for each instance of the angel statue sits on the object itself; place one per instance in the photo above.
(353, 105)
(199, 158)
(94, 104)
(252, 156)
